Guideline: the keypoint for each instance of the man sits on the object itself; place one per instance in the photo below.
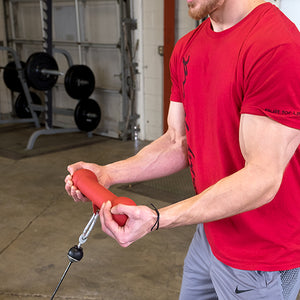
(234, 118)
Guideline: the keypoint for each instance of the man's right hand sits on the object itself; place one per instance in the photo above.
(72, 190)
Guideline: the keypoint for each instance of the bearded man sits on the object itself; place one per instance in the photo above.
(234, 119)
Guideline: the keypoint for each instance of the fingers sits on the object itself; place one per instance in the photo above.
(68, 184)
(110, 226)
(72, 168)
(73, 191)
(123, 209)
(139, 223)
(69, 187)
(83, 165)
(106, 218)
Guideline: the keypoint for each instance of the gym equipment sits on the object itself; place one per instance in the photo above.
(11, 76)
(88, 184)
(75, 253)
(79, 81)
(22, 108)
(128, 71)
(42, 71)
(46, 9)
(87, 115)
(25, 89)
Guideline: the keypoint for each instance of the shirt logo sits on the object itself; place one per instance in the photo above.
(237, 291)
(185, 63)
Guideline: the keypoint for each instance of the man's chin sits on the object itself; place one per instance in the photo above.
(196, 16)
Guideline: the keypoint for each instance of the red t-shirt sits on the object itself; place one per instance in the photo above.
(254, 68)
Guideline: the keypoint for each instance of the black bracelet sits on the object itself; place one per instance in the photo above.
(157, 220)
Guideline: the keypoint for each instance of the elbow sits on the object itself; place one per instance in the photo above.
(272, 188)
(184, 152)
(178, 143)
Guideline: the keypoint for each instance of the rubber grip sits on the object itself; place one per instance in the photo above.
(87, 182)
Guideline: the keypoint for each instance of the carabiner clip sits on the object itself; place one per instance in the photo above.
(88, 228)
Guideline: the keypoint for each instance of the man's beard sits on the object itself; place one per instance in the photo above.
(199, 12)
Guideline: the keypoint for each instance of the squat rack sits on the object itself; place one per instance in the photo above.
(127, 126)
(46, 15)
(25, 88)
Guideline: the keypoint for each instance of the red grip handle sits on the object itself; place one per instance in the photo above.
(87, 182)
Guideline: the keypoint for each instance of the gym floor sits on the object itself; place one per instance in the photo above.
(40, 223)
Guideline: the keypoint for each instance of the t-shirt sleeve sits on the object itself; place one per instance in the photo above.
(176, 94)
(272, 85)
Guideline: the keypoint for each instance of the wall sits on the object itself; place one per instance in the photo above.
(150, 16)
(150, 80)
(99, 27)
(291, 8)
(183, 22)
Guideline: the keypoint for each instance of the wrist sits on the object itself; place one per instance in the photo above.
(107, 176)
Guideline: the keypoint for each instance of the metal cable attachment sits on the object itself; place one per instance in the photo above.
(76, 253)
(88, 228)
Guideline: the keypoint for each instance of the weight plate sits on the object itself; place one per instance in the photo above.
(87, 115)
(37, 62)
(11, 77)
(21, 106)
(79, 82)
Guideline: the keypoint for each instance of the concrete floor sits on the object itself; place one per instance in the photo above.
(40, 222)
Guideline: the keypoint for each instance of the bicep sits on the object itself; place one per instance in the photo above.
(266, 143)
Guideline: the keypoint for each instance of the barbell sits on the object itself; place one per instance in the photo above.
(41, 72)
(87, 114)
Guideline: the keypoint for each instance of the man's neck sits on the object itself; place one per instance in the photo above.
(232, 12)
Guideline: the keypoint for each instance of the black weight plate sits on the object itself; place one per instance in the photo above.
(87, 115)
(21, 105)
(11, 78)
(79, 82)
(35, 63)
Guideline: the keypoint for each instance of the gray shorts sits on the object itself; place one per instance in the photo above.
(205, 277)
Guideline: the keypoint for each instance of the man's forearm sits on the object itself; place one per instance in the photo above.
(163, 157)
(267, 147)
(245, 190)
